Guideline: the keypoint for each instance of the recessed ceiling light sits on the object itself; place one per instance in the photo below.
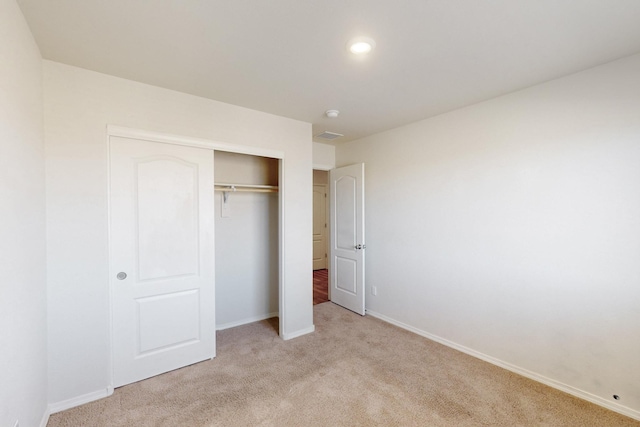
(361, 45)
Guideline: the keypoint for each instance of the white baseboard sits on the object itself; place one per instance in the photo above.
(245, 321)
(45, 418)
(299, 333)
(632, 413)
(79, 400)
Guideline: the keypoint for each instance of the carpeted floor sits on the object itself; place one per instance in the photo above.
(353, 371)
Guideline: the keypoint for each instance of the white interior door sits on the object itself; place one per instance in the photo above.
(319, 227)
(347, 243)
(161, 257)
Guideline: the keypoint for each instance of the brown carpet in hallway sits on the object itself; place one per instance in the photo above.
(353, 371)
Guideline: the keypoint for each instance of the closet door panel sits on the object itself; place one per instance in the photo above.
(161, 257)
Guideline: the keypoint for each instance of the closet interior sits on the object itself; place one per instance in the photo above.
(246, 238)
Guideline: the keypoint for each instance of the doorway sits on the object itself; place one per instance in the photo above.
(320, 237)
(343, 228)
(246, 238)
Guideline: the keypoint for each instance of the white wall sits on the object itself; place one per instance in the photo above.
(324, 156)
(246, 241)
(246, 259)
(512, 228)
(23, 379)
(78, 106)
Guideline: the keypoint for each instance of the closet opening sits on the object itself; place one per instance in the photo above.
(247, 231)
(320, 236)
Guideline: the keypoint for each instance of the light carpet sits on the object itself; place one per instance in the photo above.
(353, 371)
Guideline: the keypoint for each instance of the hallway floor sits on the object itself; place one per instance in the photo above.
(320, 286)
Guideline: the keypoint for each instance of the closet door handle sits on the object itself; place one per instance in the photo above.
(121, 276)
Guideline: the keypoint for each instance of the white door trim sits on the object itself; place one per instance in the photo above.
(153, 136)
(325, 239)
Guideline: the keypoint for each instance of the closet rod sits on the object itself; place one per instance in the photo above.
(244, 187)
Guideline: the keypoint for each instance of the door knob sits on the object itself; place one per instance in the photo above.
(121, 276)
(358, 247)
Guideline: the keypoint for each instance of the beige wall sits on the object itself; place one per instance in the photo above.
(320, 177)
(79, 105)
(511, 229)
(23, 339)
(236, 168)
(324, 156)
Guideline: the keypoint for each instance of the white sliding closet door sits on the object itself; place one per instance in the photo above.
(161, 257)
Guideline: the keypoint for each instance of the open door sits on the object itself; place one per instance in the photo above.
(347, 242)
(161, 257)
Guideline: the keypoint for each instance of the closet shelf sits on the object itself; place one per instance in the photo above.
(226, 187)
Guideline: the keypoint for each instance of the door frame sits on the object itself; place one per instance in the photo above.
(326, 221)
(325, 168)
(152, 136)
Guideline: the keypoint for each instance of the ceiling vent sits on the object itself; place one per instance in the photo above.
(329, 135)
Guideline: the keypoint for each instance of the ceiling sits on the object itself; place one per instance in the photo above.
(289, 57)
